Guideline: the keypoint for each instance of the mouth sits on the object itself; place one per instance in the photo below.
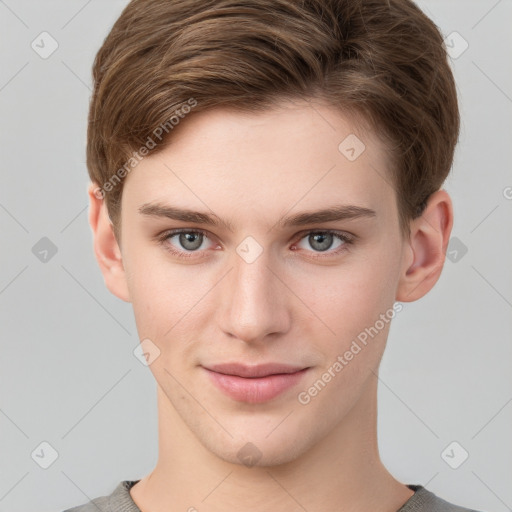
(254, 384)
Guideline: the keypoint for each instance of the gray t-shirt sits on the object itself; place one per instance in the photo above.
(121, 501)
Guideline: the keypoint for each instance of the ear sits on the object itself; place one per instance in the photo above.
(106, 248)
(426, 248)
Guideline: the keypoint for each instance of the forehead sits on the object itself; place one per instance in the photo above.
(297, 156)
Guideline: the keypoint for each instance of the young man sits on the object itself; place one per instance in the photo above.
(266, 191)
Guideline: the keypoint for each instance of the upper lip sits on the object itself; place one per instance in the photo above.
(260, 370)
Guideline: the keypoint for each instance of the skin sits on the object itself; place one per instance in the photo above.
(286, 306)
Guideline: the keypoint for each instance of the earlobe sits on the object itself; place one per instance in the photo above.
(106, 247)
(426, 248)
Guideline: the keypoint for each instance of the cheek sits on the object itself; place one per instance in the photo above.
(351, 297)
(357, 304)
(167, 298)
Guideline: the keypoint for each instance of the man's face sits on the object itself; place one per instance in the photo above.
(255, 289)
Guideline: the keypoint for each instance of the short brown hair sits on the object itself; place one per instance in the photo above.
(382, 59)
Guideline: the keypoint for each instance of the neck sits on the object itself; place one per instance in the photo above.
(342, 472)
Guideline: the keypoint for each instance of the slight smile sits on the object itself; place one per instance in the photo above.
(254, 384)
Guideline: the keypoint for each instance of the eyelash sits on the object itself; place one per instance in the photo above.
(344, 237)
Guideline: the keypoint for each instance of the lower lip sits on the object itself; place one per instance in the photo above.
(255, 390)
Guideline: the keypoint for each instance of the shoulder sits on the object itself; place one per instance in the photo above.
(118, 501)
(424, 500)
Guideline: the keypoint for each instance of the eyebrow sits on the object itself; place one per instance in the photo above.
(334, 213)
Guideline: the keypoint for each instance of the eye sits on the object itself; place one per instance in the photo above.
(184, 242)
(323, 241)
(190, 243)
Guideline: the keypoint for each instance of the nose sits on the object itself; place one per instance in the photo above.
(255, 302)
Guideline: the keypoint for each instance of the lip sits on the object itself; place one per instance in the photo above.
(254, 384)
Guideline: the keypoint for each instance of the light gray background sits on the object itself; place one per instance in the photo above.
(68, 374)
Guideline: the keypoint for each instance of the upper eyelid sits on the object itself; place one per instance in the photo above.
(339, 232)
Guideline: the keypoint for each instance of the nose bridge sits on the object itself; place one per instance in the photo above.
(254, 298)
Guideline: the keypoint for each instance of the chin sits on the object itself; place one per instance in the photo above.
(254, 449)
